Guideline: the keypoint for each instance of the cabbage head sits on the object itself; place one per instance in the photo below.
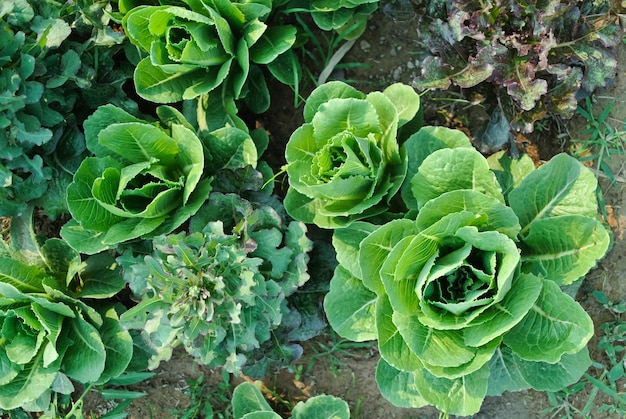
(345, 163)
(464, 294)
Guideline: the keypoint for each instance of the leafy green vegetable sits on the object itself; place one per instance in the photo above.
(206, 46)
(345, 162)
(347, 17)
(248, 402)
(53, 327)
(464, 294)
(220, 290)
(539, 57)
(146, 179)
(57, 64)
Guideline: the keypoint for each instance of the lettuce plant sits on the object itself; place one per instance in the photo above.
(145, 179)
(464, 294)
(345, 162)
(200, 46)
(56, 66)
(56, 322)
(248, 403)
(220, 290)
(541, 57)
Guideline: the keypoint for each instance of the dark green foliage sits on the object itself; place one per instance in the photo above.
(57, 63)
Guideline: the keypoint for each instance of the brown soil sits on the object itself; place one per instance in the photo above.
(386, 49)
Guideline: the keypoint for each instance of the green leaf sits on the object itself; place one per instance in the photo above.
(398, 387)
(554, 326)
(101, 277)
(25, 278)
(356, 116)
(118, 345)
(406, 101)
(571, 190)
(155, 84)
(391, 345)
(350, 307)
(504, 375)
(422, 144)
(229, 148)
(86, 356)
(346, 242)
(505, 314)
(246, 399)
(462, 396)
(510, 172)
(81, 202)
(83, 240)
(564, 248)
(275, 41)
(103, 117)
(326, 92)
(138, 142)
(444, 348)
(28, 385)
(447, 170)
(545, 376)
(491, 213)
(375, 248)
(321, 407)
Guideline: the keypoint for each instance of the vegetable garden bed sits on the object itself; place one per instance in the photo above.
(413, 208)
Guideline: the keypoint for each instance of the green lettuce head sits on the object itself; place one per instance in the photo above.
(208, 45)
(464, 297)
(345, 162)
(56, 320)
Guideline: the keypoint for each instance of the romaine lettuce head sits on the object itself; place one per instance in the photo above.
(347, 17)
(209, 44)
(345, 162)
(144, 180)
(53, 329)
(463, 300)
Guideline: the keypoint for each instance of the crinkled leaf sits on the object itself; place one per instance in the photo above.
(447, 170)
(600, 66)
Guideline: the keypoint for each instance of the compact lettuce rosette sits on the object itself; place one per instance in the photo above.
(463, 295)
(345, 162)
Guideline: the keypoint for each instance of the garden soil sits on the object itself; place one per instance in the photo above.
(385, 54)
